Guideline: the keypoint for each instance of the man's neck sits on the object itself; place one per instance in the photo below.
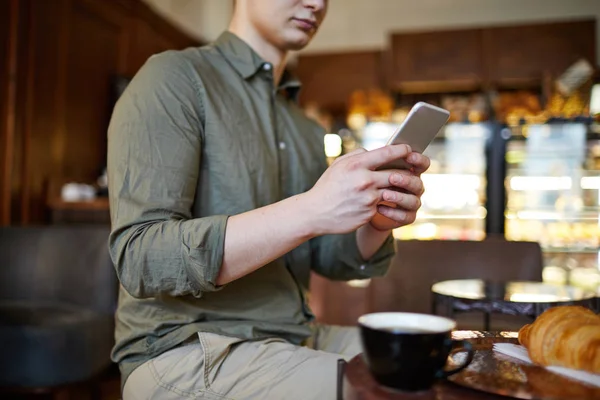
(264, 49)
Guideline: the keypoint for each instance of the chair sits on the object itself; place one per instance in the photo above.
(417, 265)
(338, 302)
(58, 295)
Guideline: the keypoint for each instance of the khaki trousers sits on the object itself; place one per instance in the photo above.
(220, 367)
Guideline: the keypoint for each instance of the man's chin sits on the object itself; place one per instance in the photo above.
(297, 42)
(296, 46)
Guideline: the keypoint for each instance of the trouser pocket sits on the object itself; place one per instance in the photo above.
(178, 373)
(216, 348)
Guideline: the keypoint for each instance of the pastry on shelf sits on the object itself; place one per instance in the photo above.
(574, 106)
(512, 107)
(555, 105)
(565, 336)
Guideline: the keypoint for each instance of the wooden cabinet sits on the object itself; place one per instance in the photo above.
(68, 53)
(527, 52)
(468, 59)
(436, 61)
(458, 60)
(329, 79)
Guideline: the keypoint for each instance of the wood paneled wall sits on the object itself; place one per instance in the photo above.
(6, 105)
(56, 103)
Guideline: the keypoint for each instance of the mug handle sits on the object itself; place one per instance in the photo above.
(470, 354)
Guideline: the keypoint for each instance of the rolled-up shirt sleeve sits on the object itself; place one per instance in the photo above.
(337, 257)
(154, 155)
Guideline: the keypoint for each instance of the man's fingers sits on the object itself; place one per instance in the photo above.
(383, 179)
(408, 182)
(384, 155)
(406, 201)
(419, 162)
(401, 217)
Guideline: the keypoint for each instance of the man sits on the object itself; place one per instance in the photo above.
(221, 203)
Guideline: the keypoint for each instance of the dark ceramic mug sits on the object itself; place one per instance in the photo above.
(407, 351)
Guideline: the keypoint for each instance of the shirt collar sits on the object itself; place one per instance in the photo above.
(239, 54)
(290, 84)
(248, 63)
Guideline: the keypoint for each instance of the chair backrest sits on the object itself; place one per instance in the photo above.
(417, 265)
(58, 263)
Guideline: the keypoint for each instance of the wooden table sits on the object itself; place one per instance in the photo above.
(497, 374)
(358, 384)
(94, 211)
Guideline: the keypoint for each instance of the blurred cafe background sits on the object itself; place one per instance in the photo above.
(519, 160)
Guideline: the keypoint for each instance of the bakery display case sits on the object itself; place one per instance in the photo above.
(553, 197)
(454, 202)
(548, 173)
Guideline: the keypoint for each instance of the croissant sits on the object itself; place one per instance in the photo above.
(566, 336)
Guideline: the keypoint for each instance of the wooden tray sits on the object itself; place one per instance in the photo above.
(500, 374)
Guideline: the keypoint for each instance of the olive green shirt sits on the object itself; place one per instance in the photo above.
(199, 135)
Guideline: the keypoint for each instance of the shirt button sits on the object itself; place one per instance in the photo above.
(281, 145)
(362, 267)
(267, 66)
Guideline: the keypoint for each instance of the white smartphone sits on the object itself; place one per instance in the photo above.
(422, 124)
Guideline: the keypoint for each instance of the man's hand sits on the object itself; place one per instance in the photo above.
(345, 199)
(402, 199)
(350, 192)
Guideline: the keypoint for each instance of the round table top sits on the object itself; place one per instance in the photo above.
(516, 292)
